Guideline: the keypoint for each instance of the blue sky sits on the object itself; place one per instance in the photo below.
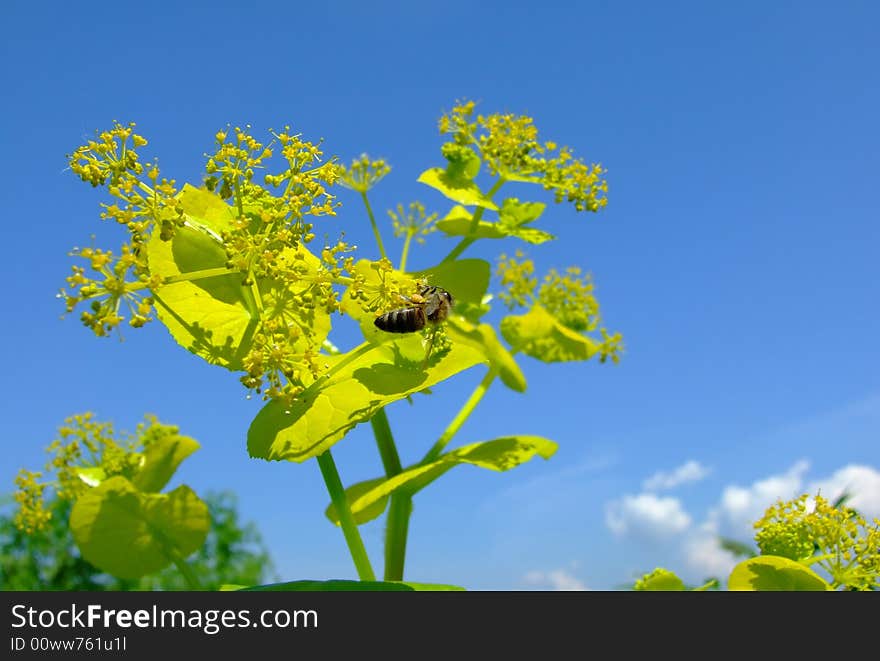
(737, 255)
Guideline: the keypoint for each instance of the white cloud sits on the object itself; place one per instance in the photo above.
(691, 471)
(704, 555)
(861, 482)
(740, 506)
(556, 579)
(646, 515)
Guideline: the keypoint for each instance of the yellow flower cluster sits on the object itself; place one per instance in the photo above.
(82, 444)
(412, 221)
(815, 531)
(363, 173)
(517, 281)
(509, 145)
(568, 296)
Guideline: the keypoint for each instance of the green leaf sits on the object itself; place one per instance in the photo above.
(500, 454)
(484, 337)
(525, 178)
(531, 235)
(358, 384)
(128, 533)
(466, 279)
(211, 317)
(459, 222)
(206, 208)
(352, 586)
(161, 460)
(216, 316)
(458, 189)
(93, 475)
(539, 334)
(514, 213)
(771, 572)
(462, 163)
(736, 547)
(352, 493)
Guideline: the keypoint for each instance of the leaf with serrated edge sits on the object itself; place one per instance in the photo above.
(334, 405)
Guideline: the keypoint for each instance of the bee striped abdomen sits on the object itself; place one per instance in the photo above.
(404, 320)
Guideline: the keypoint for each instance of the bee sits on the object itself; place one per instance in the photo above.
(430, 306)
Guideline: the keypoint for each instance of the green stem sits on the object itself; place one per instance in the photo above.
(462, 245)
(375, 226)
(196, 275)
(465, 243)
(460, 418)
(397, 524)
(191, 580)
(346, 519)
(405, 253)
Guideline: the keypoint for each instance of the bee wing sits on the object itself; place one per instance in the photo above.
(432, 306)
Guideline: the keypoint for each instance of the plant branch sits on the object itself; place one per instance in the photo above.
(346, 519)
(397, 523)
(460, 417)
(375, 226)
(191, 580)
(465, 243)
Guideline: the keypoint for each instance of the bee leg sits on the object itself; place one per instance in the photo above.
(430, 348)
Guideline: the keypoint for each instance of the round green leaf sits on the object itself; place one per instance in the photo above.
(129, 534)
(771, 572)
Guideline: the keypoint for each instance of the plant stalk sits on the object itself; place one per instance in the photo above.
(187, 572)
(397, 523)
(460, 417)
(346, 519)
(375, 226)
(465, 243)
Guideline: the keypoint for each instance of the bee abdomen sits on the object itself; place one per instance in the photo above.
(405, 320)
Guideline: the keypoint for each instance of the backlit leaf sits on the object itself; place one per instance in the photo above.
(500, 454)
(458, 189)
(129, 534)
(161, 460)
(358, 384)
(770, 572)
(539, 334)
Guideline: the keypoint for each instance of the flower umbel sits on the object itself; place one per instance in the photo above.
(510, 147)
(813, 531)
(83, 447)
(363, 173)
